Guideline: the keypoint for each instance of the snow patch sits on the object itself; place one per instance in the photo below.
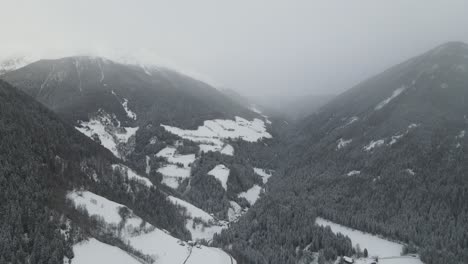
(393, 96)
(353, 172)
(373, 144)
(263, 173)
(94, 251)
(221, 173)
(252, 194)
(343, 143)
(375, 245)
(173, 175)
(170, 154)
(129, 112)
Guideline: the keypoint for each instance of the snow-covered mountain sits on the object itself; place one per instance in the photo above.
(166, 131)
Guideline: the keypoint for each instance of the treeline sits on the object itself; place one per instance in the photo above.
(281, 229)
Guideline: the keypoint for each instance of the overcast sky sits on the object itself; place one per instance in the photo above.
(254, 46)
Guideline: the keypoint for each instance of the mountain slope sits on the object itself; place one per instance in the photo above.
(166, 126)
(49, 168)
(387, 157)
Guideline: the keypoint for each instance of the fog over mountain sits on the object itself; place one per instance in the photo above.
(254, 47)
(250, 132)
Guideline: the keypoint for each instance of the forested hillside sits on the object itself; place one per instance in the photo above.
(41, 159)
(386, 157)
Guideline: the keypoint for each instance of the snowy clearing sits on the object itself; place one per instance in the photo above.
(93, 251)
(221, 173)
(178, 168)
(263, 173)
(131, 174)
(170, 154)
(252, 194)
(376, 246)
(173, 175)
(393, 96)
(213, 134)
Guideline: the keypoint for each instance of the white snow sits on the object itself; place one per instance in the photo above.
(373, 144)
(109, 134)
(252, 194)
(129, 112)
(159, 244)
(234, 212)
(343, 143)
(395, 138)
(173, 175)
(213, 134)
(444, 86)
(227, 150)
(96, 205)
(93, 251)
(410, 171)
(148, 166)
(375, 245)
(131, 174)
(386, 101)
(351, 120)
(461, 134)
(353, 172)
(221, 173)
(209, 255)
(263, 173)
(170, 154)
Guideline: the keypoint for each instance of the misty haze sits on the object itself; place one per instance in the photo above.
(257, 132)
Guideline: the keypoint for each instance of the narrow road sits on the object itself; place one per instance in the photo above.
(188, 256)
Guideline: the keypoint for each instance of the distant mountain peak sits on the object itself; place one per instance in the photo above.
(450, 48)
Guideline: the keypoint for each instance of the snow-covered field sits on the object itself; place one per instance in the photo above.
(221, 173)
(159, 244)
(170, 154)
(389, 252)
(93, 251)
(212, 135)
(178, 167)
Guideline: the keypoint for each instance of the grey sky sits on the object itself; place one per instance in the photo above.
(255, 47)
